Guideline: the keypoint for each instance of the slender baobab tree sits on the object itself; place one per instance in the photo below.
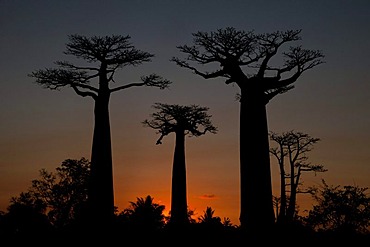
(293, 147)
(190, 120)
(248, 60)
(104, 56)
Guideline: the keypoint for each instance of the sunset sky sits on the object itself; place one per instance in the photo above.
(40, 128)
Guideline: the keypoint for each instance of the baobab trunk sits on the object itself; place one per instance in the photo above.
(179, 214)
(101, 195)
(293, 195)
(281, 217)
(256, 212)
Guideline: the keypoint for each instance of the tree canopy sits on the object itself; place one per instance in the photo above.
(342, 209)
(193, 119)
(104, 56)
(246, 58)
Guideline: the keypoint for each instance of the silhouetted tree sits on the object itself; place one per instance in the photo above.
(104, 56)
(276, 202)
(226, 222)
(191, 214)
(52, 204)
(209, 224)
(292, 146)
(25, 219)
(190, 120)
(342, 210)
(61, 195)
(246, 59)
(144, 214)
(209, 218)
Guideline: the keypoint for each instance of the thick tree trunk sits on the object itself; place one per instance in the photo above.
(179, 213)
(101, 194)
(257, 211)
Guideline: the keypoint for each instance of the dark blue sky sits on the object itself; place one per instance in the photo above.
(40, 128)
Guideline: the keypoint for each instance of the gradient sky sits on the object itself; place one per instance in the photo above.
(40, 128)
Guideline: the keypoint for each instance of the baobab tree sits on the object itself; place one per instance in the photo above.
(246, 59)
(104, 56)
(293, 147)
(184, 121)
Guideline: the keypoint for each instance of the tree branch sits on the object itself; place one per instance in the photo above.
(83, 93)
(151, 80)
(68, 65)
(205, 75)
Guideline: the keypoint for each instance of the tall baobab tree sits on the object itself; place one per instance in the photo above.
(292, 146)
(104, 56)
(246, 59)
(190, 120)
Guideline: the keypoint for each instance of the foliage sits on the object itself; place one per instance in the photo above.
(60, 195)
(345, 209)
(144, 214)
(191, 214)
(209, 218)
(25, 217)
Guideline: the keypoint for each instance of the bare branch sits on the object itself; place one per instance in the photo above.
(115, 49)
(151, 80)
(205, 75)
(69, 66)
(84, 93)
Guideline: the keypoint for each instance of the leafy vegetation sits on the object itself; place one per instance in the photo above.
(53, 206)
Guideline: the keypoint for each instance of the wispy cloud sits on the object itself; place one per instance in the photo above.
(208, 197)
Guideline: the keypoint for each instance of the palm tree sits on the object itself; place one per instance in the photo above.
(145, 215)
(209, 218)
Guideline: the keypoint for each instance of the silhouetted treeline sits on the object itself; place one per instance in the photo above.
(53, 209)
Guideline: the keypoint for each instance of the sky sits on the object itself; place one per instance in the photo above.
(40, 128)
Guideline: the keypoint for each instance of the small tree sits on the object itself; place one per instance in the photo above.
(63, 193)
(25, 219)
(190, 120)
(208, 218)
(104, 57)
(144, 214)
(341, 209)
(292, 146)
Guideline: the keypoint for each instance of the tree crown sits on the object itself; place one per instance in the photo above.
(108, 54)
(192, 120)
(245, 58)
